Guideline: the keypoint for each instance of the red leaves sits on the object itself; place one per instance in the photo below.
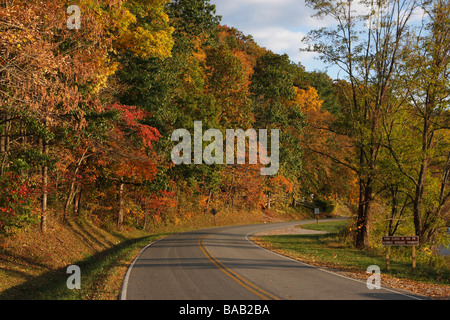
(160, 201)
(132, 116)
(15, 196)
(130, 152)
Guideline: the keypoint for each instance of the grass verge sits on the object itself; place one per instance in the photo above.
(327, 251)
(101, 276)
(33, 264)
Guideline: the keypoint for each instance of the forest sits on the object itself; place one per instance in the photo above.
(87, 115)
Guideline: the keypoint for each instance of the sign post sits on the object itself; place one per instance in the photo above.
(316, 213)
(411, 241)
(387, 257)
(214, 212)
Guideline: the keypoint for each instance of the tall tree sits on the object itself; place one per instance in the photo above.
(367, 47)
(47, 71)
(426, 73)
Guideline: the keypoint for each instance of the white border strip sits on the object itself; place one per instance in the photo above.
(327, 271)
(123, 294)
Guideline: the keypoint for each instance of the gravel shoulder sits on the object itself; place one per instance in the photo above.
(437, 292)
(288, 231)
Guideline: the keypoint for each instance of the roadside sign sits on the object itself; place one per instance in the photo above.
(316, 213)
(411, 241)
(400, 241)
(214, 212)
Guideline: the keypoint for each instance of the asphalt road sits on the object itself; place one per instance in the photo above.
(222, 264)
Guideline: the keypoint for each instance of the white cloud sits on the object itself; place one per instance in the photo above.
(278, 25)
(290, 14)
(280, 40)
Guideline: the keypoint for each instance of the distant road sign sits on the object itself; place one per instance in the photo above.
(400, 241)
(213, 212)
(316, 211)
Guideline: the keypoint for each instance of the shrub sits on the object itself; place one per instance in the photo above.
(15, 204)
(325, 206)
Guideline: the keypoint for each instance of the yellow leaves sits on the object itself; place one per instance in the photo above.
(199, 54)
(308, 99)
(281, 184)
(311, 106)
(152, 44)
(105, 68)
(203, 200)
(121, 19)
(146, 40)
(17, 39)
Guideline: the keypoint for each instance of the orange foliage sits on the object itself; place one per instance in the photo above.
(130, 153)
(323, 148)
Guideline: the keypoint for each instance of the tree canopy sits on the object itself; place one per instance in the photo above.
(86, 115)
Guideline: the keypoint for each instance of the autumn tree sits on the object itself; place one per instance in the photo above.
(420, 153)
(367, 47)
(51, 76)
(321, 175)
(128, 154)
(48, 72)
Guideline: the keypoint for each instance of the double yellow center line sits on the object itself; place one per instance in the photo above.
(233, 275)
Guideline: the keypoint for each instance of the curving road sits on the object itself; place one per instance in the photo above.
(223, 264)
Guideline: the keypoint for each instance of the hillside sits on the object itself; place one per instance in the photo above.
(33, 265)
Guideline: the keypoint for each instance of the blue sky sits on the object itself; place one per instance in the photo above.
(278, 25)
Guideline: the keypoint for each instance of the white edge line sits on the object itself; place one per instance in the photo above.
(123, 294)
(330, 272)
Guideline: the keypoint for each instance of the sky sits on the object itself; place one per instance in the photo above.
(277, 25)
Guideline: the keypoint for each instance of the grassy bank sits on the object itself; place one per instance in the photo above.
(101, 275)
(328, 250)
(33, 265)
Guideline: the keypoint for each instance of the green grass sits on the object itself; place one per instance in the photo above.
(33, 266)
(102, 273)
(331, 227)
(329, 250)
(101, 276)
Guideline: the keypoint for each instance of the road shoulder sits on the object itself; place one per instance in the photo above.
(430, 291)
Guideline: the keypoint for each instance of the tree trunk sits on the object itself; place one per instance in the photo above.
(71, 194)
(144, 225)
(209, 199)
(420, 186)
(44, 188)
(78, 200)
(396, 212)
(69, 199)
(120, 215)
(4, 142)
(362, 222)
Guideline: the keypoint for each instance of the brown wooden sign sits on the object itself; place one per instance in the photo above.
(412, 241)
(400, 241)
